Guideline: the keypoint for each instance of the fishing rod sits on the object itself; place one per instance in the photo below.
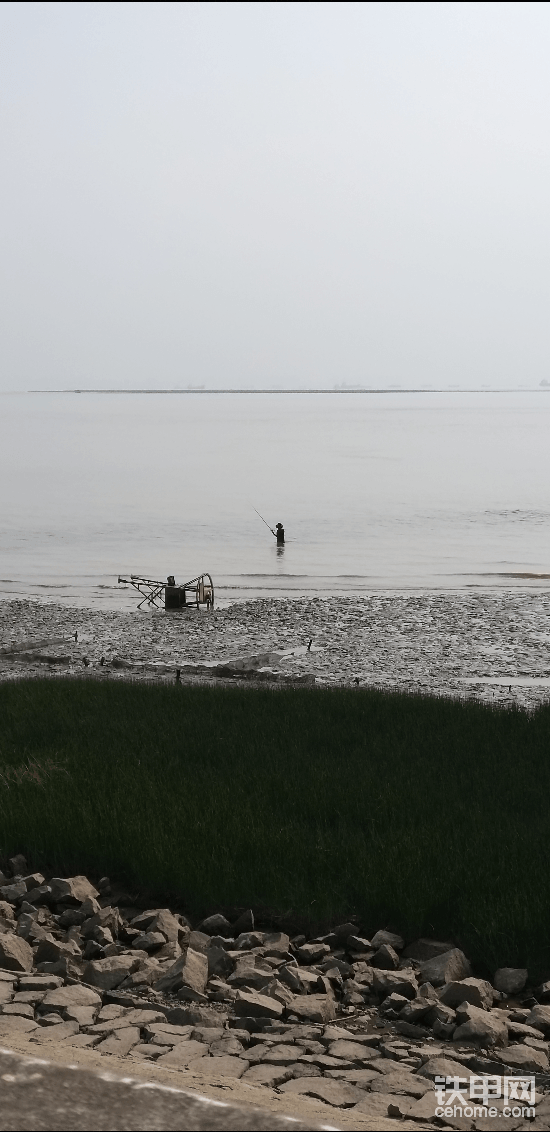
(264, 521)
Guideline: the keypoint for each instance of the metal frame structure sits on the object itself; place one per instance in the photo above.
(201, 587)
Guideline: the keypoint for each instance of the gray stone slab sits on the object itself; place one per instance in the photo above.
(223, 1066)
(336, 1093)
(41, 1097)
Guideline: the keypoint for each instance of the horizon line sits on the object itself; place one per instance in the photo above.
(350, 389)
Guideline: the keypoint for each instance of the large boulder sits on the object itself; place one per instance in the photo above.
(313, 952)
(441, 1067)
(13, 893)
(71, 890)
(40, 895)
(291, 976)
(336, 1093)
(388, 939)
(386, 958)
(539, 1017)
(450, 967)
(250, 1004)
(427, 1000)
(402, 982)
(39, 982)
(313, 1007)
(276, 944)
(109, 973)
(60, 998)
(14, 1025)
(146, 974)
(160, 920)
(251, 972)
(476, 991)
(216, 925)
(148, 941)
(479, 1027)
(524, 1059)
(510, 980)
(190, 970)
(50, 950)
(166, 922)
(109, 918)
(219, 962)
(184, 1054)
(34, 880)
(222, 1065)
(15, 953)
(282, 993)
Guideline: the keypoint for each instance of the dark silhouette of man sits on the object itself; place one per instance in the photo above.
(279, 533)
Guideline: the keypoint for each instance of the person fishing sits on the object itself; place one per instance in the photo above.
(279, 531)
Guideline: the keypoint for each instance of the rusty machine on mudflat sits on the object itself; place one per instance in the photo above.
(199, 591)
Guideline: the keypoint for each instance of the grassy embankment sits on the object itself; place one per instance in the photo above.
(420, 814)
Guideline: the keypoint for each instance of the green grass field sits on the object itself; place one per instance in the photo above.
(415, 813)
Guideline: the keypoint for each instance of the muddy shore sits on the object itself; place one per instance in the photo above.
(492, 646)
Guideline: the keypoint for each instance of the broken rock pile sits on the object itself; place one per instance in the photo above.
(353, 1022)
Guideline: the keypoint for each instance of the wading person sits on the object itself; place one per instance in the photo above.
(279, 533)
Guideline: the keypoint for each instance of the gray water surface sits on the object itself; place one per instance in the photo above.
(376, 491)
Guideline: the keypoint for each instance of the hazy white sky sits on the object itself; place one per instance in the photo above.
(288, 194)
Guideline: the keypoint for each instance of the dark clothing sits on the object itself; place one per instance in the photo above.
(280, 533)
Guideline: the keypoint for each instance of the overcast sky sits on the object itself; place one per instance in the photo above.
(289, 194)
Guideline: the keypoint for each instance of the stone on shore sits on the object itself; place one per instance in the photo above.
(440, 1067)
(479, 1027)
(524, 1059)
(216, 925)
(190, 970)
(539, 1018)
(314, 1007)
(55, 1033)
(224, 1066)
(399, 982)
(478, 992)
(388, 939)
(401, 1080)
(334, 1093)
(510, 980)
(50, 950)
(335, 1017)
(450, 967)
(184, 1053)
(120, 1042)
(14, 1024)
(253, 1005)
(386, 958)
(75, 995)
(71, 890)
(108, 973)
(219, 962)
(12, 893)
(15, 953)
(268, 1074)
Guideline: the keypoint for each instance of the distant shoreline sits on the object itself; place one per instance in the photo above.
(346, 392)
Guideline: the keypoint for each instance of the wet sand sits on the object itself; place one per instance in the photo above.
(452, 644)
